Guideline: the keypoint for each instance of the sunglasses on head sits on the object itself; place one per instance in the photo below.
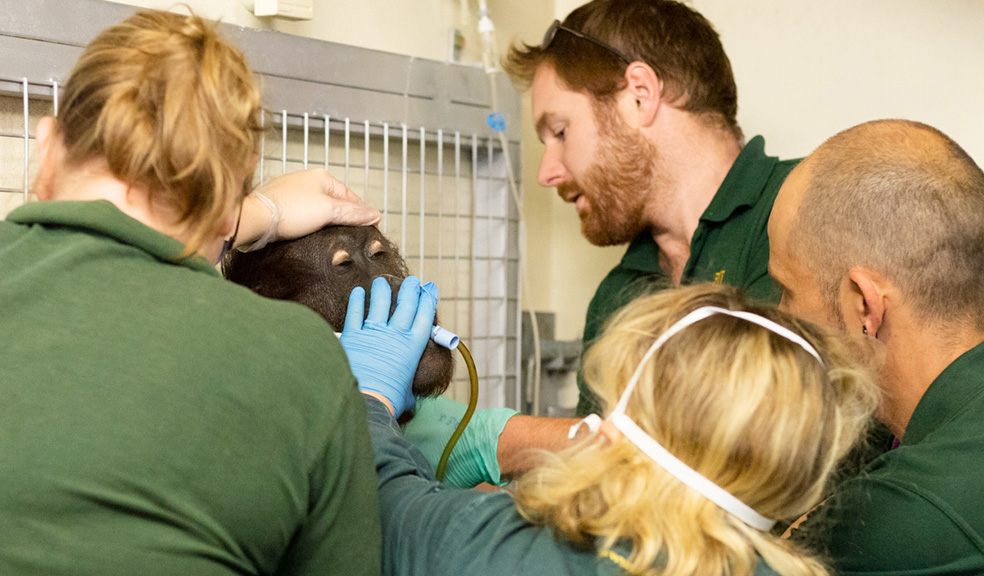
(548, 39)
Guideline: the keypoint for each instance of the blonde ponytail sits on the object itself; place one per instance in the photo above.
(172, 108)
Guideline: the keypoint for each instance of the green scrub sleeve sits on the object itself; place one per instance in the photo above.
(434, 530)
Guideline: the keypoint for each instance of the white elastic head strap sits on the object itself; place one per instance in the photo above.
(701, 314)
(660, 455)
(692, 478)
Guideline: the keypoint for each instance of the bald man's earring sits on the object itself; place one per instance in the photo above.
(864, 329)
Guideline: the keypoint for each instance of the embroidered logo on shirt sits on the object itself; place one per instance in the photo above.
(719, 276)
(617, 559)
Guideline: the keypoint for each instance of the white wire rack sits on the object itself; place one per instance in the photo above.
(423, 156)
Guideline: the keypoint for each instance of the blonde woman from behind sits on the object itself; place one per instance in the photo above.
(722, 418)
(734, 421)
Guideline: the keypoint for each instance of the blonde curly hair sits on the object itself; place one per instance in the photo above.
(748, 409)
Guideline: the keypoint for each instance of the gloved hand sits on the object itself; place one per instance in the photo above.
(384, 351)
(473, 459)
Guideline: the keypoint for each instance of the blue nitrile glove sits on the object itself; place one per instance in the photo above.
(473, 459)
(384, 351)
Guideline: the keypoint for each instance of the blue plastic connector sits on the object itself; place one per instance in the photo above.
(496, 121)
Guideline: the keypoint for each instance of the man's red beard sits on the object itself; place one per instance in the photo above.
(617, 185)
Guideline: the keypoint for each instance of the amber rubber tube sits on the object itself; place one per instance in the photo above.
(442, 465)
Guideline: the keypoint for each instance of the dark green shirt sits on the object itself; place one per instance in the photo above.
(919, 509)
(730, 245)
(433, 530)
(156, 419)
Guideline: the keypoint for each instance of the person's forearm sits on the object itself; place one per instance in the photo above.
(523, 435)
(301, 203)
(255, 221)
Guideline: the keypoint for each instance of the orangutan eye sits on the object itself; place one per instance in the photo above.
(341, 258)
(376, 249)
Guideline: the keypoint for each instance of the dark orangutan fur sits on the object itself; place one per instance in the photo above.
(321, 269)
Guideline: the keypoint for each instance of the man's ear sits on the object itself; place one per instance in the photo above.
(866, 302)
(51, 152)
(645, 88)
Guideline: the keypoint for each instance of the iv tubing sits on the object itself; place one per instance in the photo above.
(486, 29)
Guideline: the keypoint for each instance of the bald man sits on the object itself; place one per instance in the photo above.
(880, 233)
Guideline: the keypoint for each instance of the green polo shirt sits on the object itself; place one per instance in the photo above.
(919, 509)
(730, 245)
(157, 419)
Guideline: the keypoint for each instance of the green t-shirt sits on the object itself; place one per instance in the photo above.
(917, 510)
(156, 419)
(730, 245)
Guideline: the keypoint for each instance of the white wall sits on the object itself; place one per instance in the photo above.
(808, 69)
(415, 27)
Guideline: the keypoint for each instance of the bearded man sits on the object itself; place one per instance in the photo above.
(635, 102)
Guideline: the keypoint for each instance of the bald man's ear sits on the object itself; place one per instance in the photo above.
(51, 152)
(646, 89)
(866, 301)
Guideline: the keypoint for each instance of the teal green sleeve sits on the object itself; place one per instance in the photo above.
(474, 459)
(433, 530)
